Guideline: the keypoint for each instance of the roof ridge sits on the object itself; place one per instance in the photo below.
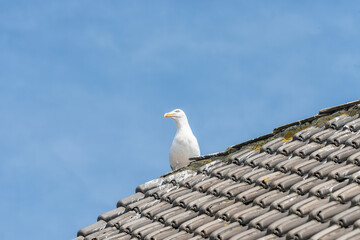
(338, 107)
(323, 112)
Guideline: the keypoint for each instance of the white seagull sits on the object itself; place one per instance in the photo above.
(185, 144)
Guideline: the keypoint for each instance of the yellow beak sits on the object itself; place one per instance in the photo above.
(168, 115)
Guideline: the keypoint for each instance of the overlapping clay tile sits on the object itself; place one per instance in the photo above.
(322, 136)
(285, 224)
(272, 146)
(332, 232)
(340, 121)
(327, 211)
(307, 133)
(307, 149)
(353, 126)
(347, 217)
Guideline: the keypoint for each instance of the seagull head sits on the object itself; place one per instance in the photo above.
(175, 114)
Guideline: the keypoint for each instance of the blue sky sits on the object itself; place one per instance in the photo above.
(84, 86)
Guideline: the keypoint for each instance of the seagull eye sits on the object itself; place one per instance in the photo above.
(177, 110)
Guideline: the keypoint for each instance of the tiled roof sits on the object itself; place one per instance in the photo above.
(299, 182)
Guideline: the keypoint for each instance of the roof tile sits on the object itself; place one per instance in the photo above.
(286, 182)
(266, 180)
(227, 213)
(305, 134)
(263, 221)
(179, 177)
(304, 167)
(122, 219)
(256, 159)
(353, 126)
(328, 210)
(332, 232)
(234, 189)
(268, 198)
(218, 187)
(322, 153)
(355, 177)
(150, 185)
(105, 233)
(347, 217)
(339, 122)
(305, 186)
(354, 158)
(248, 214)
(340, 137)
(99, 225)
(165, 215)
(344, 172)
(178, 236)
(191, 224)
(147, 229)
(284, 203)
(287, 165)
(111, 214)
(197, 237)
(287, 149)
(211, 207)
(176, 220)
(324, 189)
(195, 204)
(190, 182)
(162, 233)
(250, 194)
(251, 234)
(239, 157)
(353, 235)
(272, 161)
(306, 230)
(271, 237)
(238, 172)
(203, 186)
(323, 170)
(221, 171)
(322, 136)
(132, 198)
(157, 192)
(252, 176)
(356, 200)
(227, 231)
(139, 206)
(284, 225)
(307, 149)
(171, 195)
(273, 145)
(120, 236)
(206, 229)
(184, 199)
(155, 209)
(341, 155)
(305, 206)
(130, 226)
(208, 168)
(353, 141)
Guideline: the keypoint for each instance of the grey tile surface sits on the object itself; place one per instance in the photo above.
(301, 187)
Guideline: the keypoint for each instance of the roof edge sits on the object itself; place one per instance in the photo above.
(280, 130)
(331, 110)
